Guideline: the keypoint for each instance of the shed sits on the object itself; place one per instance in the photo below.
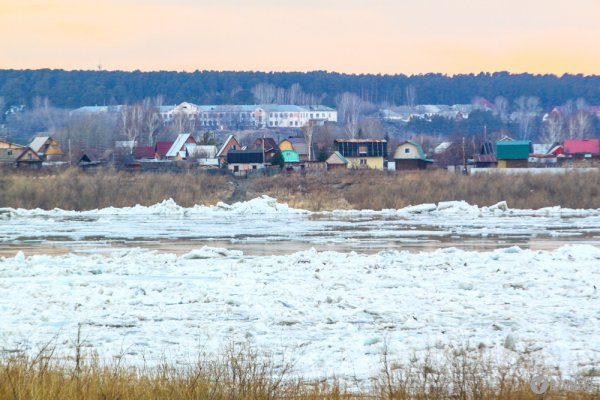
(336, 161)
(28, 158)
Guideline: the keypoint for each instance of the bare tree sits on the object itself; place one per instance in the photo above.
(411, 95)
(308, 131)
(579, 125)
(349, 108)
(132, 121)
(501, 111)
(371, 127)
(152, 118)
(553, 128)
(528, 109)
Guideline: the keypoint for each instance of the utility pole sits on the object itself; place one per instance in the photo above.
(464, 157)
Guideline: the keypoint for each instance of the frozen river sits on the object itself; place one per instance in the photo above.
(326, 289)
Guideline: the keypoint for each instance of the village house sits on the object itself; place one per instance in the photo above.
(513, 153)
(12, 154)
(363, 153)
(581, 153)
(242, 161)
(230, 143)
(409, 155)
(47, 148)
(295, 144)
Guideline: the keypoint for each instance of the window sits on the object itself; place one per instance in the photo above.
(362, 150)
(10, 152)
(254, 167)
(407, 150)
(233, 147)
(363, 162)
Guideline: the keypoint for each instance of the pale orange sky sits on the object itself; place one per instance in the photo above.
(354, 36)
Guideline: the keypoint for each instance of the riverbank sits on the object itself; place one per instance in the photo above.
(77, 190)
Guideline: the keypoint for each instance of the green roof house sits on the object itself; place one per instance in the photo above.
(513, 153)
(409, 155)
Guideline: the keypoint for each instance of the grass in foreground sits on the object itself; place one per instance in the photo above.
(243, 374)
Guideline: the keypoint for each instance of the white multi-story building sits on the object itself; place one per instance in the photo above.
(251, 116)
(239, 116)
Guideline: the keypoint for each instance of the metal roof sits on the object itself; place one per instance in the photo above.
(591, 146)
(38, 142)
(360, 140)
(513, 149)
(162, 147)
(244, 157)
(178, 144)
(290, 156)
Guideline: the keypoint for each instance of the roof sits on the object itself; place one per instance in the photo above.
(162, 147)
(222, 149)
(143, 152)
(290, 156)
(484, 158)
(270, 144)
(244, 157)
(591, 146)
(336, 155)
(33, 156)
(361, 147)
(360, 140)
(442, 147)
(178, 144)
(513, 149)
(38, 142)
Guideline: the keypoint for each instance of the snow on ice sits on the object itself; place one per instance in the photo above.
(332, 312)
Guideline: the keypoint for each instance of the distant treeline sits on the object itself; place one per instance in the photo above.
(72, 89)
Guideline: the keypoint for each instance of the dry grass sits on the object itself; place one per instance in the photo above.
(243, 374)
(73, 189)
(378, 190)
(77, 190)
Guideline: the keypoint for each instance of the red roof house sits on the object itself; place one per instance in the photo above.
(582, 147)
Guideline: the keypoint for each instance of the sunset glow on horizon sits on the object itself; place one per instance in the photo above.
(354, 36)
